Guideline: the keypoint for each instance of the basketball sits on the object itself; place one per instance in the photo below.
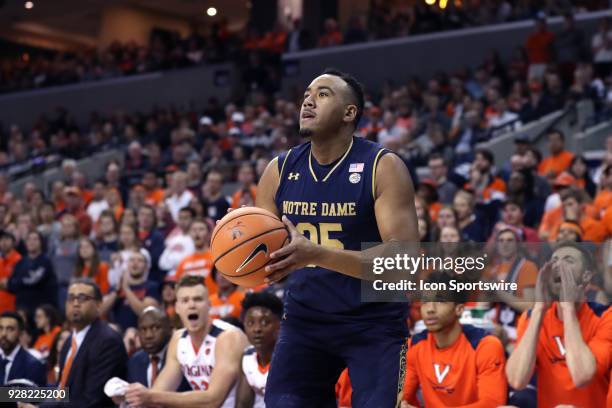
(242, 242)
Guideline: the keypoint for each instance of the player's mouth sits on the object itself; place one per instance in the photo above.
(257, 340)
(308, 115)
(430, 322)
(193, 317)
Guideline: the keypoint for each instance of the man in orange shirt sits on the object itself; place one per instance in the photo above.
(487, 186)
(8, 259)
(154, 194)
(572, 209)
(603, 199)
(247, 191)
(227, 302)
(559, 159)
(565, 341)
(539, 48)
(454, 365)
(200, 262)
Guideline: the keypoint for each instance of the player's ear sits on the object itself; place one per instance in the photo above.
(459, 308)
(350, 113)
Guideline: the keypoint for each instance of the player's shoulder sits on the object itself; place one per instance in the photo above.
(479, 338)
(180, 334)
(248, 351)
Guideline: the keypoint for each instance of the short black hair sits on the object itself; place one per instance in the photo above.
(557, 132)
(447, 295)
(52, 314)
(356, 89)
(265, 300)
(89, 282)
(190, 210)
(487, 154)
(6, 234)
(16, 316)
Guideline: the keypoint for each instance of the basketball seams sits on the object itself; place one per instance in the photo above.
(248, 240)
(218, 227)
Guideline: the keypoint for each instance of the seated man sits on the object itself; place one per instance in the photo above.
(563, 339)
(154, 331)
(262, 315)
(16, 363)
(207, 353)
(454, 365)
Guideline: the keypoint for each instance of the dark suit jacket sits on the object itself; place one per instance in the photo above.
(101, 356)
(26, 366)
(137, 370)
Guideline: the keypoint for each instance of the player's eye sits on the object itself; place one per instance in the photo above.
(322, 94)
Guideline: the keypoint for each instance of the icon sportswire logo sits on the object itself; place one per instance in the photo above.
(256, 251)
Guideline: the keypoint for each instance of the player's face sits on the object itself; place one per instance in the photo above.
(438, 316)
(261, 327)
(153, 333)
(9, 334)
(192, 307)
(324, 105)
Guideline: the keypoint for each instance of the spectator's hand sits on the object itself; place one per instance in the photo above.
(116, 258)
(570, 290)
(542, 294)
(131, 340)
(299, 253)
(137, 395)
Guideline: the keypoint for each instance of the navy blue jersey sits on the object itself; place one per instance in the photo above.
(332, 205)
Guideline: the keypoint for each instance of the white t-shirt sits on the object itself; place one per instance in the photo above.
(255, 376)
(604, 54)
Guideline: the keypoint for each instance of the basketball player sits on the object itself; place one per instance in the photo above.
(262, 314)
(207, 353)
(334, 193)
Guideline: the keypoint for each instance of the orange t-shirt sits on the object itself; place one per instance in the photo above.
(238, 196)
(344, 390)
(45, 340)
(525, 275)
(434, 210)
(154, 197)
(7, 264)
(201, 264)
(555, 385)
(602, 201)
(101, 277)
(557, 164)
(226, 306)
(592, 229)
(470, 371)
(496, 190)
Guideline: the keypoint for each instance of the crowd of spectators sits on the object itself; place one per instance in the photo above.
(146, 221)
(167, 50)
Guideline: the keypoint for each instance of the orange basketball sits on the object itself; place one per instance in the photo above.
(242, 242)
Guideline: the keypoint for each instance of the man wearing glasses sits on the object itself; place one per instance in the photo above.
(93, 353)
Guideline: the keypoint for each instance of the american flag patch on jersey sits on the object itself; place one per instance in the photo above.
(356, 168)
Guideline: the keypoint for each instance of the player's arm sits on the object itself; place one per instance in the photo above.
(245, 397)
(395, 216)
(170, 376)
(228, 356)
(266, 189)
(491, 382)
(411, 382)
(521, 364)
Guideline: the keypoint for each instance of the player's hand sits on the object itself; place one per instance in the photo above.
(542, 293)
(118, 400)
(405, 404)
(137, 395)
(297, 254)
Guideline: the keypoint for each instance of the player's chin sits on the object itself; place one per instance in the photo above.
(306, 130)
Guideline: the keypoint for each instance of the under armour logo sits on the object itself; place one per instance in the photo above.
(440, 375)
(294, 176)
(560, 346)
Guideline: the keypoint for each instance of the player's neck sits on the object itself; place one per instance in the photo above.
(447, 336)
(327, 150)
(264, 357)
(197, 337)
